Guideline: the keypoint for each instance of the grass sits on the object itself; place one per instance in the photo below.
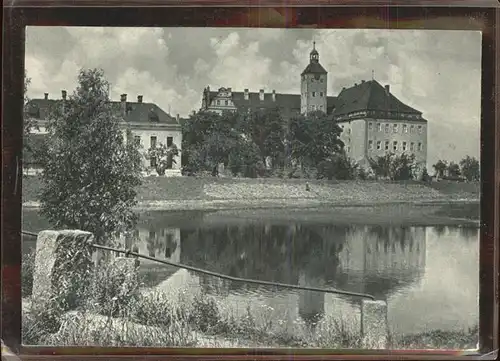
(117, 313)
(209, 188)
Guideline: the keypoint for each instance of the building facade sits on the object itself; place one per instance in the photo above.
(150, 126)
(373, 120)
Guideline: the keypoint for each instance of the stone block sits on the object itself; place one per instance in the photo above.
(63, 269)
(374, 325)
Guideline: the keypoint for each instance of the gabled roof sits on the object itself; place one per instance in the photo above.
(369, 95)
(289, 102)
(314, 68)
(137, 112)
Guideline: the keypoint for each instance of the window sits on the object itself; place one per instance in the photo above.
(395, 128)
(137, 139)
(170, 141)
(412, 146)
(379, 145)
(217, 102)
(321, 107)
(412, 129)
(370, 144)
(379, 127)
(348, 130)
(405, 128)
(226, 102)
(386, 145)
(394, 145)
(314, 94)
(153, 142)
(320, 94)
(420, 146)
(387, 128)
(370, 126)
(348, 149)
(404, 146)
(321, 80)
(420, 129)
(313, 107)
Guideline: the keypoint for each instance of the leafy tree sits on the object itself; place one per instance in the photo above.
(453, 170)
(244, 159)
(381, 166)
(314, 138)
(208, 140)
(339, 166)
(440, 167)
(470, 169)
(425, 177)
(29, 122)
(164, 157)
(266, 129)
(90, 170)
(394, 167)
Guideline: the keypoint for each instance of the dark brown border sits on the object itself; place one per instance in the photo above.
(16, 18)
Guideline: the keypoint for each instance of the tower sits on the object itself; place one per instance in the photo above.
(313, 85)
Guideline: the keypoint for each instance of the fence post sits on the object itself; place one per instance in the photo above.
(63, 265)
(374, 325)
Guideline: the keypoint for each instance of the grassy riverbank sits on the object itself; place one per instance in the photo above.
(154, 321)
(222, 193)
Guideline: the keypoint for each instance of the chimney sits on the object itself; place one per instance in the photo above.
(46, 96)
(387, 89)
(230, 91)
(177, 117)
(139, 99)
(64, 94)
(123, 100)
(274, 95)
(246, 94)
(362, 81)
(261, 94)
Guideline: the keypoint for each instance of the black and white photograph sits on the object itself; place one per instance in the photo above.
(251, 188)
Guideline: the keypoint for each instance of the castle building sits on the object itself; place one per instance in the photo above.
(373, 120)
(150, 126)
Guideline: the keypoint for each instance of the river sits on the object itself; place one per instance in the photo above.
(429, 275)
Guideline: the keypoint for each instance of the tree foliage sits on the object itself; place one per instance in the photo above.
(453, 170)
(164, 156)
(440, 168)
(314, 138)
(394, 167)
(340, 167)
(470, 169)
(90, 170)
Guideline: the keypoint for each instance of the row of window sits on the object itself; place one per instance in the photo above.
(316, 107)
(313, 79)
(395, 128)
(222, 102)
(405, 146)
(154, 141)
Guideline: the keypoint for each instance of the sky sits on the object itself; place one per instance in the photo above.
(435, 71)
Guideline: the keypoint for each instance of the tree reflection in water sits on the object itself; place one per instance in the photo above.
(374, 260)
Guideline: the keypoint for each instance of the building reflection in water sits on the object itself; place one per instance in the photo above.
(375, 260)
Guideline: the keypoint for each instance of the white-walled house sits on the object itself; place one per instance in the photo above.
(150, 126)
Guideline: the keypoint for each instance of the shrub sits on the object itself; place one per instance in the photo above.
(27, 270)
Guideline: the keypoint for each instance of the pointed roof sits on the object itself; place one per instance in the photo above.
(314, 68)
(369, 95)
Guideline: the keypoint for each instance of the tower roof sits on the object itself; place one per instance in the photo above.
(314, 66)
